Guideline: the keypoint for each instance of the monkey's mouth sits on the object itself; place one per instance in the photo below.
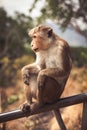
(36, 49)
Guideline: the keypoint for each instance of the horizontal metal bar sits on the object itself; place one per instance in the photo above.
(63, 102)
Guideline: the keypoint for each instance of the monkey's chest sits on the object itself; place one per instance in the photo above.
(51, 62)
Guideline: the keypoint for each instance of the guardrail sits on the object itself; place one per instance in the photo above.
(63, 102)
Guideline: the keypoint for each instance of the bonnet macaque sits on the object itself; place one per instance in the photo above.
(45, 79)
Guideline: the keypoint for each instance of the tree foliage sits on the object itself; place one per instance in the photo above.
(13, 41)
(13, 34)
(65, 12)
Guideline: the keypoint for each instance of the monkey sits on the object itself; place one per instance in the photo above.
(45, 79)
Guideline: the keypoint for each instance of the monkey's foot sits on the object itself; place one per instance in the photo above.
(25, 107)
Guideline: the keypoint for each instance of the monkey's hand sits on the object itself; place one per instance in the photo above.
(41, 79)
(29, 71)
(26, 76)
(25, 107)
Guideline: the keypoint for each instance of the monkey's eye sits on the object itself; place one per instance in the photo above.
(49, 33)
(34, 36)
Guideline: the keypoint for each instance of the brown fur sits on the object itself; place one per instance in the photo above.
(46, 78)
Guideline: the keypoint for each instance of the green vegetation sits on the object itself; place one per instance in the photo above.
(11, 69)
(14, 46)
(14, 35)
(12, 99)
(79, 55)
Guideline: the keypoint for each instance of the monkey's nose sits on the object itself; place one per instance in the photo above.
(32, 45)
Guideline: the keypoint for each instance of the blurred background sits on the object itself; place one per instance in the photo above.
(68, 18)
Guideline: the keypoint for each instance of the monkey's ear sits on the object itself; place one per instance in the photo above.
(50, 31)
(30, 33)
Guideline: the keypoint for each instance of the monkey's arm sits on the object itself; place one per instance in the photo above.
(28, 71)
(51, 72)
(54, 72)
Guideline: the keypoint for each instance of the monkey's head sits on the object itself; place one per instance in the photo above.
(42, 38)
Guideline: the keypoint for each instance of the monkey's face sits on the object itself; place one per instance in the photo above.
(41, 38)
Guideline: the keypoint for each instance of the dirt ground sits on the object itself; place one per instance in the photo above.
(72, 115)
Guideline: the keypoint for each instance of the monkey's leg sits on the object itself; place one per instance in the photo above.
(49, 92)
(26, 105)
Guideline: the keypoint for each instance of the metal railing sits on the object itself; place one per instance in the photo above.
(63, 102)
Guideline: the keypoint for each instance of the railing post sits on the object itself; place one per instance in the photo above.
(59, 119)
(84, 116)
